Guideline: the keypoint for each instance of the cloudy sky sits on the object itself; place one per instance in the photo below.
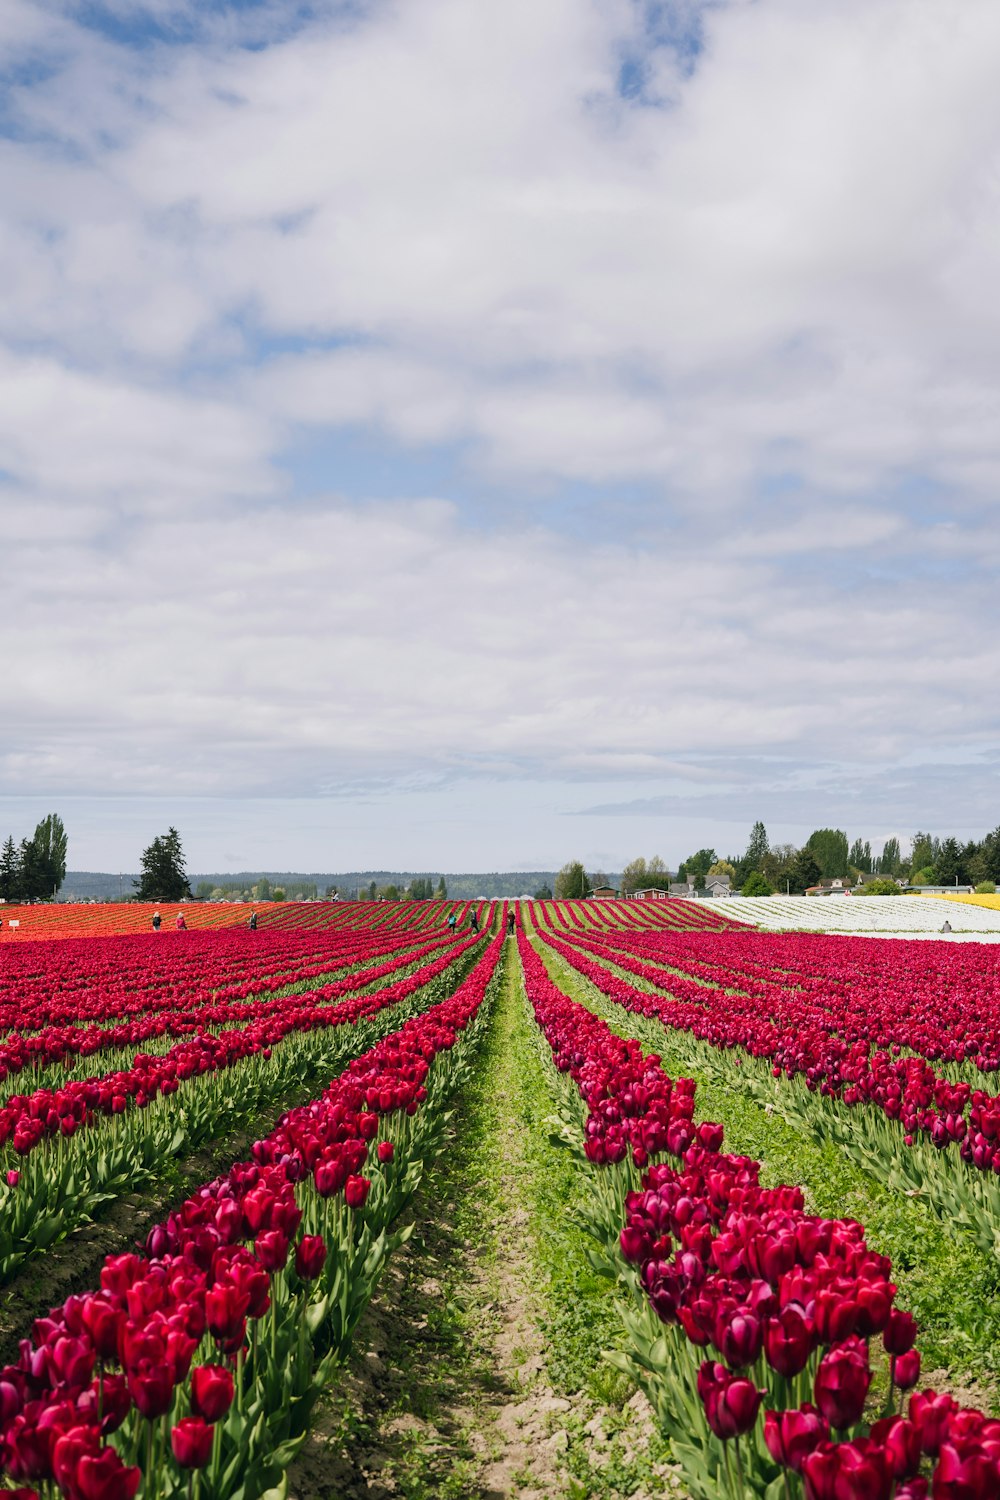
(449, 435)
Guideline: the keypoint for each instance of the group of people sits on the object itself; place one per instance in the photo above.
(474, 921)
(181, 925)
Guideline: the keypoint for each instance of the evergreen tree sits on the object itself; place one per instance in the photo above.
(756, 849)
(34, 874)
(949, 865)
(442, 890)
(163, 877)
(860, 857)
(10, 872)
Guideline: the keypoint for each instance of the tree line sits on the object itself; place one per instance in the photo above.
(34, 869)
(827, 854)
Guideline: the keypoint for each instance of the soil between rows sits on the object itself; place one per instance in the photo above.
(449, 1391)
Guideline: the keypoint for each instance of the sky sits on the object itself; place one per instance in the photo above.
(457, 436)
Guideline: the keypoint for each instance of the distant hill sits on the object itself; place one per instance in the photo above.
(90, 885)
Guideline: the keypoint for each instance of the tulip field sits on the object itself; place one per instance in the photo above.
(774, 1350)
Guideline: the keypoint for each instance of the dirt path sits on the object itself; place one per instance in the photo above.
(445, 1394)
(449, 1393)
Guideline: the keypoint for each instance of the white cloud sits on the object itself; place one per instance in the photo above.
(773, 297)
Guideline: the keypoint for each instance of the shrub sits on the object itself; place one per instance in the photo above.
(882, 887)
(756, 885)
(986, 888)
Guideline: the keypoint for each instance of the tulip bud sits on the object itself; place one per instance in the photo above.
(906, 1369)
(191, 1441)
(386, 1150)
(356, 1191)
(841, 1384)
(792, 1435)
(900, 1332)
(310, 1256)
(211, 1391)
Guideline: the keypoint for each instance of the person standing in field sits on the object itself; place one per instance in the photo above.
(474, 921)
(252, 924)
(451, 921)
(511, 921)
(157, 919)
(180, 924)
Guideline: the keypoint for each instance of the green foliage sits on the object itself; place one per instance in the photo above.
(49, 845)
(880, 886)
(860, 857)
(950, 863)
(544, 893)
(442, 890)
(926, 876)
(757, 848)
(9, 871)
(804, 873)
(571, 882)
(986, 888)
(34, 869)
(757, 885)
(163, 875)
(279, 893)
(828, 846)
(421, 889)
(890, 861)
(723, 867)
(925, 851)
(697, 864)
(638, 875)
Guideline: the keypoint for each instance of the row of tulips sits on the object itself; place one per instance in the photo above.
(195, 1364)
(735, 1038)
(665, 915)
(23, 924)
(45, 984)
(757, 1323)
(802, 1055)
(71, 1149)
(57, 1048)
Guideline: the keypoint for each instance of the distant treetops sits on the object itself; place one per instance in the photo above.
(34, 869)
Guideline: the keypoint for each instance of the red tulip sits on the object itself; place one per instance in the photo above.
(974, 1477)
(356, 1191)
(211, 1391)
(901, 1443)
(841, 1384)
(191, 1440)
(151, 1388)
(310, 1256)
(906, 1369)
(788, 1342)
(900, 1332)
(225, 1310)
(271, 1249)
(847, 1471)
(792, 1435)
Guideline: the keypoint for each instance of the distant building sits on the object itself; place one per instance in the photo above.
(718, 885)
(655, 893)
(603, 893)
